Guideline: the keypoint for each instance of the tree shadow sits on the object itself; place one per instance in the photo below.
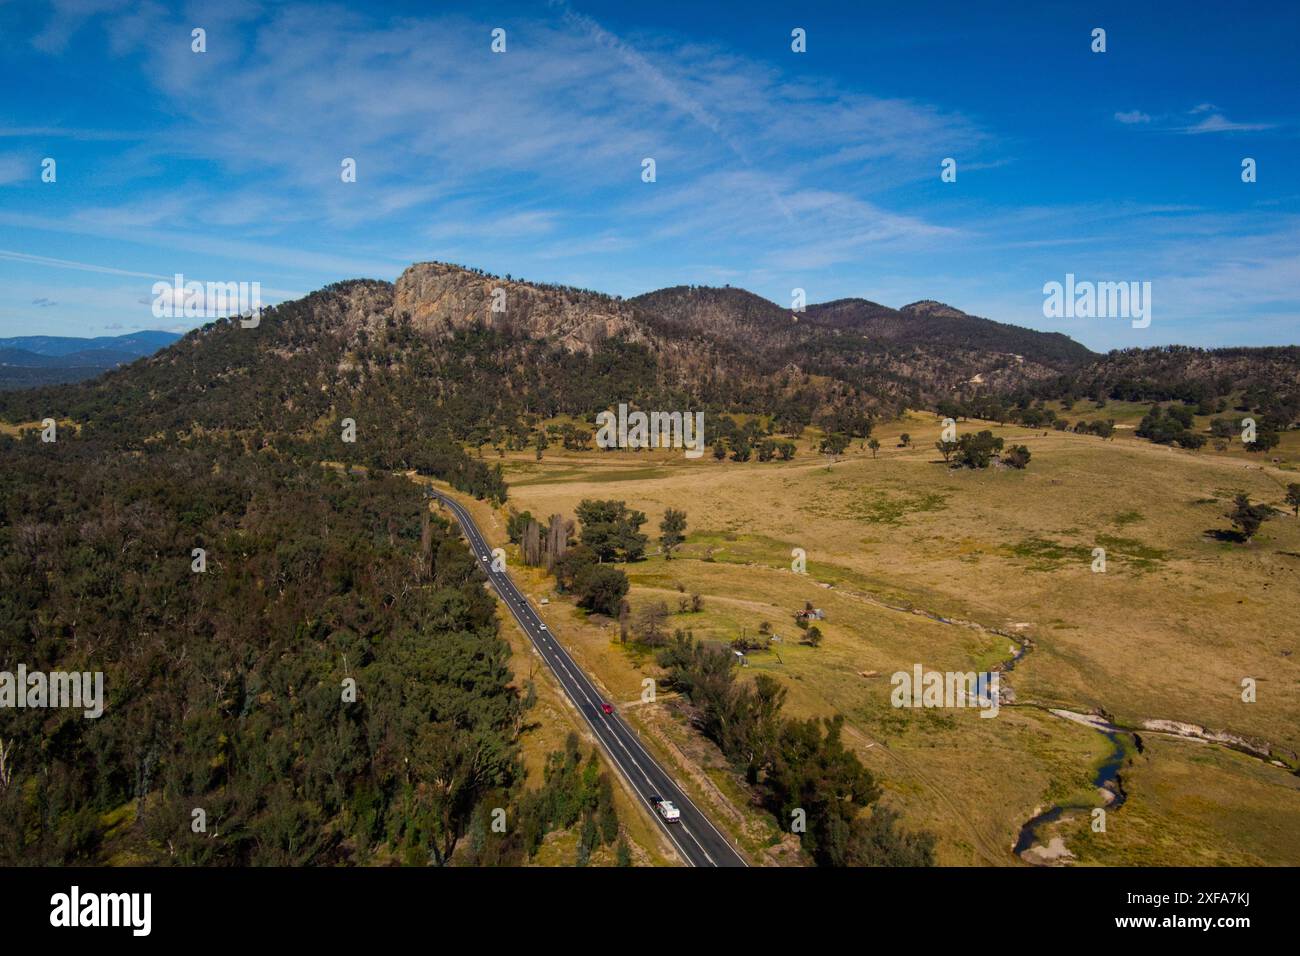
(1232, 537)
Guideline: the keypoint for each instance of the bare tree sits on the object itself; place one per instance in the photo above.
(6, 765)
(651, 624)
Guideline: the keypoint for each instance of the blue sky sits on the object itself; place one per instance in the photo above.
(774, 169)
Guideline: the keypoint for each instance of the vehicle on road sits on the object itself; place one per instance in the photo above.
(666, 810)
(700, 844)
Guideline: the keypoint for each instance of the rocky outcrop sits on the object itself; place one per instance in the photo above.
(440, 298)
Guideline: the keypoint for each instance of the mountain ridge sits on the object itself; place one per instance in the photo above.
(31, 360)
(463, 349)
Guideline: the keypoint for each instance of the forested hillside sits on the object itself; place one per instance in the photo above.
(1264, 380)
(225, 686)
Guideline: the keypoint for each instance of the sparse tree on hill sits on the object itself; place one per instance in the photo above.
(977, 451)
(1247, 517)
(1017, 456)
(834, 443)
(673, 528)
(874, 445)
(1293, 497)
(946, 448)
(1265, 438)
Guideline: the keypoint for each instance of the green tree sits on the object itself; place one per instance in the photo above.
(601, 588)
(1017, 456)
(1265, 439)
(611, 529)
(672, 531)
(1247, 518)
(834, 443)
(1224, 428)
(977, 451)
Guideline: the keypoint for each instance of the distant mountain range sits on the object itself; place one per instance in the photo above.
(448, 349)
(29, 360)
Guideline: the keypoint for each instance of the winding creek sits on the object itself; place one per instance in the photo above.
(1111, 796)
(1124, 741)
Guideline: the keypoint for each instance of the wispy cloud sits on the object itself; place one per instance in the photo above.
(70, 264)
(1218, 123)
(1202, 118)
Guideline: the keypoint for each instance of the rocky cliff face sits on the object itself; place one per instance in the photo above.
(440, 298)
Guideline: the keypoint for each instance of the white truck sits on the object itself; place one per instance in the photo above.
(666, 810)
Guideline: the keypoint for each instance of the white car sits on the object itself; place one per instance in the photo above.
(542, 626)
(666, 810)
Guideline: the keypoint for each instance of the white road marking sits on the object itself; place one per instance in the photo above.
(582, 688)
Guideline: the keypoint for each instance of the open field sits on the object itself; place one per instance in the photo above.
(1168, 632)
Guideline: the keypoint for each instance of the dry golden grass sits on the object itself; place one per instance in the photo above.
(1168, 632)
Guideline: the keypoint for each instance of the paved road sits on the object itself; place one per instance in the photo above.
(697, 840)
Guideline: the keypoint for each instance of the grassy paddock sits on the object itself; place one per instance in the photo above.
(1169, 631)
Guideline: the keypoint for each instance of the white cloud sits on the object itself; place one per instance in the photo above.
(1218, 123)
(1133, 116)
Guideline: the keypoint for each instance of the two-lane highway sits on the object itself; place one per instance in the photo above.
(697, 840)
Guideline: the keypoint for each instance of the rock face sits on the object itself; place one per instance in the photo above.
(441, 298)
